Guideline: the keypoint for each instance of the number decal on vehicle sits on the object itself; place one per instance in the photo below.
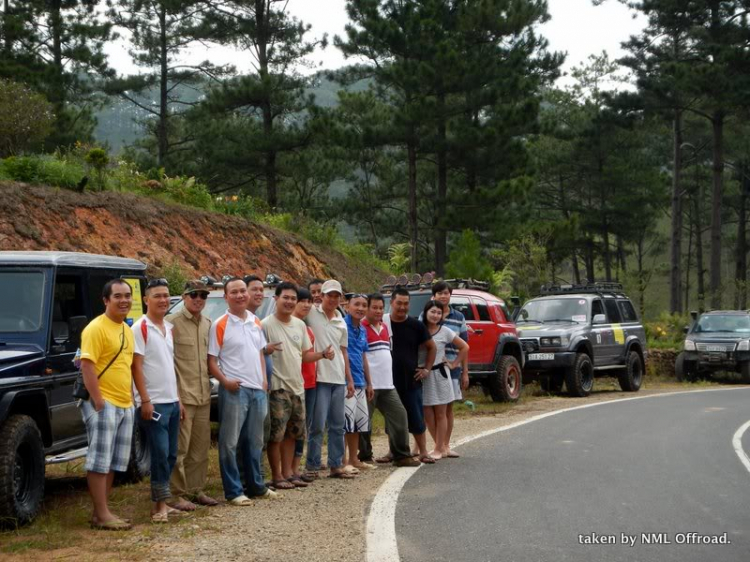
(598, 337)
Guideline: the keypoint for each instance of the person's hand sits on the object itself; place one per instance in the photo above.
(454, 364)
(265, 385)
(271, 348)
(147, 411)
(329, 353)
(421, 373)
(98, 404)
(464, 380)
(349, 389)
(370, 393)
(182, 412)
(232, 385)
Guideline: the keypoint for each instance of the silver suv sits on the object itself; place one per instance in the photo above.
(573, 333)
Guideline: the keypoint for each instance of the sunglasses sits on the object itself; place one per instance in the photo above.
(199, 295)
(157, 283)
(358, 296)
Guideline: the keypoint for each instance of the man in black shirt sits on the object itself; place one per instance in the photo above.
(408, 335)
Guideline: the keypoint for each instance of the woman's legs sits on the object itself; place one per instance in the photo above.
(441, 431)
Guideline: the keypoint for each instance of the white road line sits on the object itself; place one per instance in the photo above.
(381, 540)
(737, 443)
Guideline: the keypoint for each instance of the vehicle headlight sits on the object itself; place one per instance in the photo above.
(689, 345)
(744, 345)
(550, 342)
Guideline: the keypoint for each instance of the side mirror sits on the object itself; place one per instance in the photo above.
(686, 329)
(694, 315)
(76, 324)
(599, 319)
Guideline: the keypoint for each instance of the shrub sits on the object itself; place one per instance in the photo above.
(241, 205)
(668, 331)
(22, 168)
(97, 159)
(187, 191)
(59, 173)
(26, 118)
(176, 277)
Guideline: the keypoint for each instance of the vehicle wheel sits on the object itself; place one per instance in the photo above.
(139, 466)
(745, 372)
(580, 377)
(506, 385)
(21, 471)
(553, 382)
(631, 377)
(681, 371)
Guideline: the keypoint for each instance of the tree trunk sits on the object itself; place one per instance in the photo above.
(740, 294)
(56, 94)
(576, 270)
(718, 184)
(412, 186)
(675, 279)
(688, 263)
(700, 269)
(262, 23)
(441, 234)
(163, 88)
(7, 35)
(605, 248)
(589, 258)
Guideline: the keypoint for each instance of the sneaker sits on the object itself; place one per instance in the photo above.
(408, 461)
(269, 495)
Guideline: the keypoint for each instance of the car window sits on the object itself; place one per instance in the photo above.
(596, 308)
(503, 312)
(628, 312)
(613, 313)
(464, 307)
(482, 310)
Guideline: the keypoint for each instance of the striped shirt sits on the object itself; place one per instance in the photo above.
(379, 356)
(456, 321)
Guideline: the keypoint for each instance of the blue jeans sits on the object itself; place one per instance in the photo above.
(242, 415)
(299, 446)
(329, 406)
(162, 439)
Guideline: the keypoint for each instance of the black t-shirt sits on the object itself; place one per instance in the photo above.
(407, 337)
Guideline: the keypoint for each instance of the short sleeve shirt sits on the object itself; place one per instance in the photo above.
(287, 362)
(238, 344)
(309, 369)
(331, 332)
(407, 336)
(379, 357)
(442, 339)
(100, 342)
(157, 350)
(357, 348)
(191, 357)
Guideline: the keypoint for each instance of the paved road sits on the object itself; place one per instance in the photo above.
(657, 465)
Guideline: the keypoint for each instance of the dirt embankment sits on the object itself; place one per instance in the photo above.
(163, 235)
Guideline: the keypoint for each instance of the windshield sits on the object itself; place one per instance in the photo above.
(736, 323)
(416, 304)
(216, 306)
(21, 301)
(554, 310)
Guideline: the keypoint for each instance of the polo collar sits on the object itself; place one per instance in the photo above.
(168, 325)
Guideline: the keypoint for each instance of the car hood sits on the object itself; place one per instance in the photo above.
(17, 353)
(718, 336)
(532, 330)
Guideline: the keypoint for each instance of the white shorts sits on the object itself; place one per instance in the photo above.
(357, 417)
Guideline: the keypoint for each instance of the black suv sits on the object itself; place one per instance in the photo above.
(46, 299)
(716, 341)
(572, 333)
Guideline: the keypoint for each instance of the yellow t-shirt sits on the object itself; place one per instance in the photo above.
(100, 342)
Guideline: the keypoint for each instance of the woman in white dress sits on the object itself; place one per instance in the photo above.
(437, 388)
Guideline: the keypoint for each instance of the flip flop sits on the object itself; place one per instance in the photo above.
(384, 459)
(427, 459)
(183, 505)
(114, 525)
(451, 455)
(305, 477)
(342, 475)
(311, 474)
(349, 469)
(283, 485)
(297, 482)
(208, 501)
(172, 512)
(241, 501)
(160, 517)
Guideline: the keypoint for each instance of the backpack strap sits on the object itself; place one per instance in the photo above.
(144, 332)
(221, 328)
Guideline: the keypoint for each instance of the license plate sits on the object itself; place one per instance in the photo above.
(715, 348)
(541, 356)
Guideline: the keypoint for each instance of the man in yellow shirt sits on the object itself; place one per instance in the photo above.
(106, 357)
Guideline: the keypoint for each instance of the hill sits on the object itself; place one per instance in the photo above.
(165, 236)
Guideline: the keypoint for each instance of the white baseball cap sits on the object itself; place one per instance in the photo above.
(332, 286)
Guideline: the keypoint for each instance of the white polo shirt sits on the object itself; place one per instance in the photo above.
(157, 351)
(238, 344)
(331, 332)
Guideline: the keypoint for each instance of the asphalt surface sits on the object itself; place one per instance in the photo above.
(664, 466)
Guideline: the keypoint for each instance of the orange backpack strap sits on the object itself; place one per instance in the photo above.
(221, 328)
(144, 332)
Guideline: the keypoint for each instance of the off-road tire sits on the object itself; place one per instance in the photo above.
(745, 372)
(139, 466)
(579, 378)
(552, 383)
(631, 377)
(681, 373)
(21, 471)
(506, 385)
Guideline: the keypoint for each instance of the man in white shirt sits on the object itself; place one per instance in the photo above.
(334, 383)
(156, 395)
(235, 359)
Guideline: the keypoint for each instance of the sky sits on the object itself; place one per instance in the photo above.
(576, 27)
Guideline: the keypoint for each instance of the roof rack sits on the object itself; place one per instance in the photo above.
(593, 288)
(427, 280)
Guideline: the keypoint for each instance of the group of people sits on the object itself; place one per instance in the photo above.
(323, 361)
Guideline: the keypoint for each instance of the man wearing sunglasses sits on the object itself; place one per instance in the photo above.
(190, 331)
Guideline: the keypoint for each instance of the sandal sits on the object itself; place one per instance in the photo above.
(114, 525)
(208, 501)
(305, 477)
(349, 469)
(451, 455)
(427, 459)
(160, 517)
(385, 459)
(184, 505)
(342, 475)
(172, 512)
(310, 475)
(297, 482)
(283, 485)
(241, 501)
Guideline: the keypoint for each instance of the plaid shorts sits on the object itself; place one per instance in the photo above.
(110, 432)
(287, 413)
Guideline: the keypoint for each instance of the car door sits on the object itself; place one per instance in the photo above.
(463, 305)
(486, 332)
(630, 323)
(601, 334)
(616, 337)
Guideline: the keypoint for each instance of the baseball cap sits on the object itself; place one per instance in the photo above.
(331, 286)
(195, 285)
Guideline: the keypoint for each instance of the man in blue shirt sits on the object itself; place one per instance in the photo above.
(453, 319)
(355, 408)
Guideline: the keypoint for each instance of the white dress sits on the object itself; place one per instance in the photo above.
(437, 388)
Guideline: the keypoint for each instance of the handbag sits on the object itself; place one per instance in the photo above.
(80, 392)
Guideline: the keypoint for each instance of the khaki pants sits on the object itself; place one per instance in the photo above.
(191, 470)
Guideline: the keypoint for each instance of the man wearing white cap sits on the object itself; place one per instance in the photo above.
(334, 382)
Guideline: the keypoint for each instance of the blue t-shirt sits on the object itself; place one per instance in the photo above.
(456, 321)
(356, 350)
